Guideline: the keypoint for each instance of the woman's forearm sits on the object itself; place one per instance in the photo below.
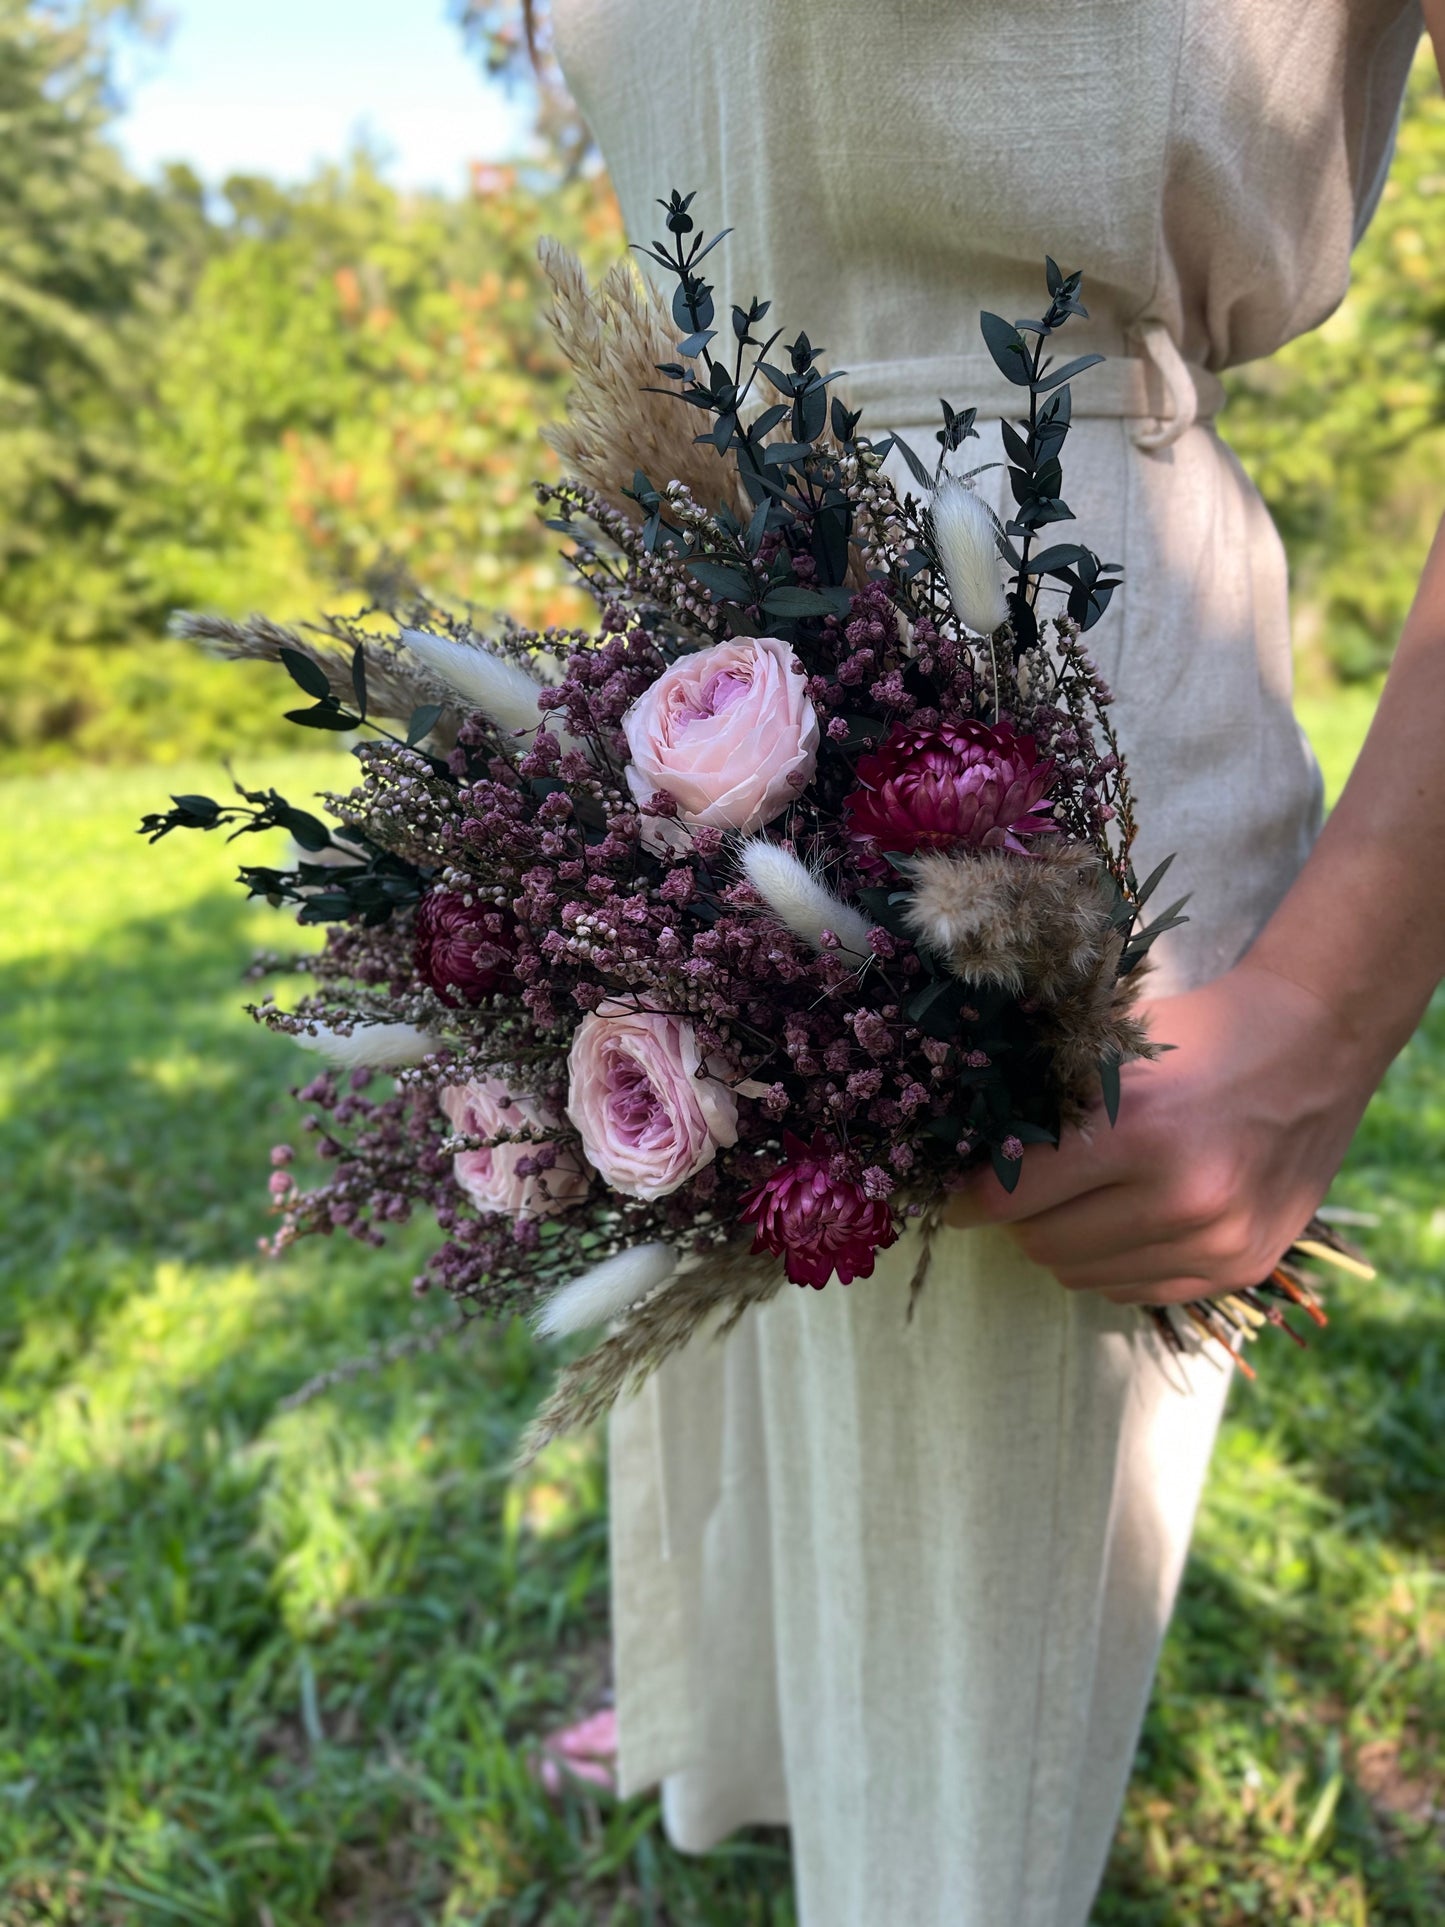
(1363, 927)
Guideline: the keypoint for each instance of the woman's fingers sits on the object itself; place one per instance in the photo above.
(1051, 1176)
(1176, 1291)
(1101, 1227)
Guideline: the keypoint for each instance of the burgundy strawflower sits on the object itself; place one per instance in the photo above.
(960, 782)
(817, 1220)
(462, 946)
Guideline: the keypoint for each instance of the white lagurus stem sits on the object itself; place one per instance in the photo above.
(800, 900)
(967, 544)
(372, 1047)
(502, 690)
(606, 1290)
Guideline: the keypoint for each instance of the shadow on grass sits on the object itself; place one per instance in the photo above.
(254, 1659)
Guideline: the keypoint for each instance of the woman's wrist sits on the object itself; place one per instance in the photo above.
(1368, 1001)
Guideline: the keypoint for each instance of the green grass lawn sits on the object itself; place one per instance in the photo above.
(274, 1667)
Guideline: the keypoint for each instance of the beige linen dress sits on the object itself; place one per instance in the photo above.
(902, 1585)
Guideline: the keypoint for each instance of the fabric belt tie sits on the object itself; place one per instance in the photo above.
(1152, 386)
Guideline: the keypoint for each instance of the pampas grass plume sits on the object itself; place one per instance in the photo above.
(606, 1290)
(503, 691)
(372, 1047)
(801, 901)
(967, 545)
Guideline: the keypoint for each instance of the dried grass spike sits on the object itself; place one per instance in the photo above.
(620, 415)
(373, 1047)
(606, 1291)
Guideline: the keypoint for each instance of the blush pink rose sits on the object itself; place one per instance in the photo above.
(484, 1108)
(728, 732)
(649, 1115)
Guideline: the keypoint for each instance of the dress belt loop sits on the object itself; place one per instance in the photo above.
(1181, 390)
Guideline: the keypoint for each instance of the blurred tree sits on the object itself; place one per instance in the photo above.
(514, 41)
(318, 389)
(1344, 430)
(90, 263)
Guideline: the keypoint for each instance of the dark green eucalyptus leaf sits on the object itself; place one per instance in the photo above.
(1058, 411)
(1015, 447)
(779, 452)
(358, 678)
(702, 254)
(325, 909)
(723, 583)
(1067, 372)
(327, 715)
(693, 345)
(307, 674)
(922, 1001)
(813, 407)
(1063, 555)
(915, 467)
(1006, 345)
(1007, 1170)
(845, 421)
(1109, 1085)
(796, 602)
(309, 831)
(204, 807)
(1025, 623)
(1148, 886)
(768, 420)
(830, 543)
(862, 729)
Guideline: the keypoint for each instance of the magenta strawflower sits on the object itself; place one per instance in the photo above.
(463, 947)
(816, 1217)
(959, 782)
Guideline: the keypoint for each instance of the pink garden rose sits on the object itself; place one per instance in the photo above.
(728, 732)
(650, 1118)
(484, 1108)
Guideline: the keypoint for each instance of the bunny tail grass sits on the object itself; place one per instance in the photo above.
(709, 1293)
(967, 545)
(373, 1047)
(801, 901)
(606, 1291)
(503, 692)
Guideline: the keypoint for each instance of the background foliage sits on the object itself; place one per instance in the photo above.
(1344, 429)
(270, 398)
(263, 402)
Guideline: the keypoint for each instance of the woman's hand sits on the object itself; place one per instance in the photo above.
(1223, 1149)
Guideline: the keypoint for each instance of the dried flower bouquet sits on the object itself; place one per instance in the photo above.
(673, 959)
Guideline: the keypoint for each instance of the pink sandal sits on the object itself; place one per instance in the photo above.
(585, 1752)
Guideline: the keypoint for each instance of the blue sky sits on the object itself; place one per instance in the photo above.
(278, 86)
